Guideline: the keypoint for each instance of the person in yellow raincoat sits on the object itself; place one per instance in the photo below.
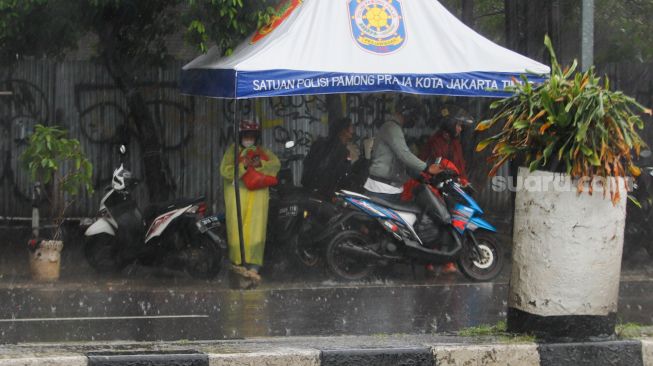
(254, 203)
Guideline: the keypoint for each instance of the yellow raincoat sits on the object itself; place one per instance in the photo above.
(254, 205)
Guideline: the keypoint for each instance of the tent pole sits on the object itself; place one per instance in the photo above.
(239, 210)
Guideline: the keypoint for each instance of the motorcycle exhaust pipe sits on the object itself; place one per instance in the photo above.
(361, 252)
(217, 239)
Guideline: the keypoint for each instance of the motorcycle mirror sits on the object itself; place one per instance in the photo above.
(645, 153)
(290, 144)
(123, 149)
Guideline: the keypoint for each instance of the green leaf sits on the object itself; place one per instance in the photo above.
(634, 200)
(586, 150)
(483, 144)
(594, 160)
(534, 165)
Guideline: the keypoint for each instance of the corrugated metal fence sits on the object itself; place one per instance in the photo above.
(195, 131)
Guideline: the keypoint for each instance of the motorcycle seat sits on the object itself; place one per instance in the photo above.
(158, 208)
(405, 207)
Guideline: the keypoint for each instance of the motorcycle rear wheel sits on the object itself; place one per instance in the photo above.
(343, 265)
(488, 266)
(307, 256)
(101, 253)
(204, 259)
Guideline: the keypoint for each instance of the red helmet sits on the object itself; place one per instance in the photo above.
(248, 125)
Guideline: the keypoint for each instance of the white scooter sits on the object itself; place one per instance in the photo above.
(172, 234)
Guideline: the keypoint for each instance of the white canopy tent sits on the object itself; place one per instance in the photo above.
(360, 46)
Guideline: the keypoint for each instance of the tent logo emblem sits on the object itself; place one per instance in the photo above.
(377, 25)
(281, 13)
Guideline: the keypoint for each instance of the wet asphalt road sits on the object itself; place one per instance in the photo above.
(160, 310)
(145, 305)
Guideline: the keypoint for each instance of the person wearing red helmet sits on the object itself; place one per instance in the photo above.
(445, 143)
(257, 170)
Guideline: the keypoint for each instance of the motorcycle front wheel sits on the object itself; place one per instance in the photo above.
(487, 265)
(342, 262)
(204, 259)
(101, 253)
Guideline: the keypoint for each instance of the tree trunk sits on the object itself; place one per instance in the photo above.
(526, 24)
(148, 132)
(468, 12)
(157, 180)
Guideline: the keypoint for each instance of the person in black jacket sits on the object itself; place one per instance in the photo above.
(329, 161)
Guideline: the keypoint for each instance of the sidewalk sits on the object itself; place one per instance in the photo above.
(378, 350)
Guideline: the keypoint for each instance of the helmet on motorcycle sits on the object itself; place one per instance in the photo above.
(410, 108)
(407, 105)
(121, 179)
(453, 116)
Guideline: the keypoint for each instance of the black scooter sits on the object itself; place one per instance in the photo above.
(173, 234)
(293, 223)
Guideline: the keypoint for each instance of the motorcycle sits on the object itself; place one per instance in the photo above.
(292, 224)
(445, 224)
(172, 234)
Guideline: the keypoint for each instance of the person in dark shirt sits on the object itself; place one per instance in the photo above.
(329, 162)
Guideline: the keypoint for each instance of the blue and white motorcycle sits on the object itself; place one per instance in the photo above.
(442, 224)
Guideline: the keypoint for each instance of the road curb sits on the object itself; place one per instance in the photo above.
(377, 357)
(41, 361)
(189, 358)
(281, 357)
(487, 355)
(647, 352)
(359, 351)
(611, 353)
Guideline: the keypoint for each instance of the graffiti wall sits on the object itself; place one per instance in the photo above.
(194, 131)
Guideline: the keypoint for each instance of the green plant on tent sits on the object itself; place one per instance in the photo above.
(55, 160)
(571, 123)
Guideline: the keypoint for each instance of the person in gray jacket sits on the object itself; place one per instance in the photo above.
(392, 160)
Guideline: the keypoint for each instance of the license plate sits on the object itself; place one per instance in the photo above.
(208, 223)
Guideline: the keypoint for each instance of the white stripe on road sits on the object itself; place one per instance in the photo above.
(102, 318)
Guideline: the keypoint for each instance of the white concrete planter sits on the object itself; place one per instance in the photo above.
(566, 257)
(45, 261)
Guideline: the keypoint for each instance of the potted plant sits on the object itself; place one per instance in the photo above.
(60, 165)
(576, 140)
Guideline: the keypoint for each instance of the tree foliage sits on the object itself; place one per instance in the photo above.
(623, 31)
(52, 156)
(49, 28)
(36, 28)
(224, 22)
(132, 40)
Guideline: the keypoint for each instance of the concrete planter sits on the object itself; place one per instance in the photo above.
(45, 261)
(566, 258)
